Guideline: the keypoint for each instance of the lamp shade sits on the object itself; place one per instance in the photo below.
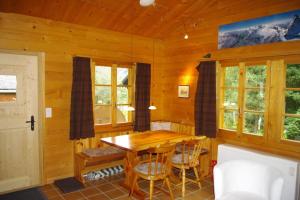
(152, 107)
(145, 3)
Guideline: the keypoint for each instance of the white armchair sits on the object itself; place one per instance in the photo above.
(246, 180)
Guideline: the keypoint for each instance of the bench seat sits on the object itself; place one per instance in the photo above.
(97, 158)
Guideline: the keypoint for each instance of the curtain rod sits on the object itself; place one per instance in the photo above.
(111, 61)
(246, 58)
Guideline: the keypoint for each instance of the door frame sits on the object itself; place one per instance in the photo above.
(41, 105)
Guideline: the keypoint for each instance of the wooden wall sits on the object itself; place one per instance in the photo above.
(183, 56)
(175, 60)
(60, 42)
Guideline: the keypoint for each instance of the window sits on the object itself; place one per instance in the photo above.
(230, 100)
(8, 88)
(291, 130)
(113, 89)
(243, 91)
(254, 99)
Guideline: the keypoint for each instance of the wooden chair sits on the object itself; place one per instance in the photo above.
(189, 158)
(156, 167)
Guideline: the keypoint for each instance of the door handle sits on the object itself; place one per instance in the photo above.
(31, 122)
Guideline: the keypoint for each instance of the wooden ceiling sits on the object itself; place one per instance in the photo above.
(167, 17)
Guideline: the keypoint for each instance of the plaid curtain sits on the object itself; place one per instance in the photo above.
(142, 97)
(205, 100)
(81, 116)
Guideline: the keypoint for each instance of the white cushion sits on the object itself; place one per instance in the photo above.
(241, 196)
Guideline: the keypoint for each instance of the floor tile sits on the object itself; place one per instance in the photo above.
(57, 198)
(90, 191)
(51, 193)
(99, 197)
(113, 194)
(106, 187)
(110, 189)
(73, 196)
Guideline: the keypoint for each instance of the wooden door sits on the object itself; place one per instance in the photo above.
(19, 143)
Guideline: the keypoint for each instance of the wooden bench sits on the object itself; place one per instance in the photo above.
(91, 155)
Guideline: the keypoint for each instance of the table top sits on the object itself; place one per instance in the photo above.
(145, 140)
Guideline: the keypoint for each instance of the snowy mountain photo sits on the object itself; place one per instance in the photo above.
(275, 28)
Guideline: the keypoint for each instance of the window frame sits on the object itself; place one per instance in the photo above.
(239, 133)
(285, 63)
(114, 126)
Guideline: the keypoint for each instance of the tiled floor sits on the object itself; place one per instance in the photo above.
(109, 188)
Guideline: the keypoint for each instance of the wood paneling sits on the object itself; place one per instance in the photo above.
(118, 15)
(167, 18)
(174, 58)
(182, 56)
(60, 42)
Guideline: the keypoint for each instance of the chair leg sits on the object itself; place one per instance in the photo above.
(163, 183)
(133, 184)
(169, 186)
(197, 177)
(151, 189)
(183, 182)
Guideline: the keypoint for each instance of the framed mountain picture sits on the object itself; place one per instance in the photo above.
(275, 28)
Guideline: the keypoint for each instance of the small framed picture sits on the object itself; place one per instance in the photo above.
(183, 91)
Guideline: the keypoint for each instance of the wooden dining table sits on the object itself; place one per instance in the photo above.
(137, 142)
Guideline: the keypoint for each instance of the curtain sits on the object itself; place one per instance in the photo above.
(142, 97)
(205, 100)
(81, 116)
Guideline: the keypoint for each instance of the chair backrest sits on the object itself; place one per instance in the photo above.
(160, 158)
(193, 149)
(248, 176)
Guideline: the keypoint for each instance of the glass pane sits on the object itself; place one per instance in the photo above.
(103, 95)
(103, 75)
(230, 98)
(102, 114)
(293, 76)
(8, 88)
(123, 114)
(292, 128)
(122, 76)
(255, 100)
(122, 95)
(230, 119)
(292, 102)
(256, 76)
(254, 123)
(231, 76)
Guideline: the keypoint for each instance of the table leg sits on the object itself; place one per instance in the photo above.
(130, 161)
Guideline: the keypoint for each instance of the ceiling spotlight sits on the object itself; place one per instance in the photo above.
(145, 3)
(186, 36)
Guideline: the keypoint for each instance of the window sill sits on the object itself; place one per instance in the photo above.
(110, 128)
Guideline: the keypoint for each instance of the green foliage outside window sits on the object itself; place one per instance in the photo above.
(254, 100)
(231, 98)
(292, 103)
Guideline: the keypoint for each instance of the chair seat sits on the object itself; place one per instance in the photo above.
(241, 196)
(143, 168)
(102, 151)
(177, 159)
(178, 149)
